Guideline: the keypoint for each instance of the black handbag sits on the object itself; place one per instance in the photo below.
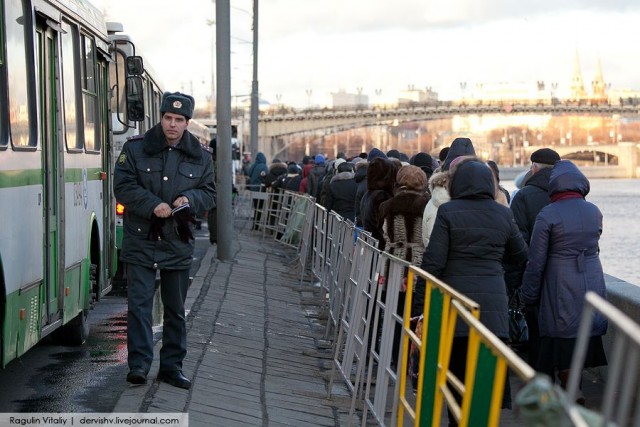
(518, 329)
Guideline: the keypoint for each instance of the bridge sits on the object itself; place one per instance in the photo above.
(277, 129)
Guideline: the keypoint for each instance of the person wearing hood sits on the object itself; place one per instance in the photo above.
(361, 179)
(342, 191)
(438, 184)
(564, 265)
(277, 169)
(381, 178)
(471, 237)
(257, 173)
(315, 176)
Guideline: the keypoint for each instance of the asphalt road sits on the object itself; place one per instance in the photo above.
(89, 378)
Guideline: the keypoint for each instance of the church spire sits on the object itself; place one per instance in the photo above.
(577, 84)
(598, 86)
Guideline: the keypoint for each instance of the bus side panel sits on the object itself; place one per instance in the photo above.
(22, 323)
(76, 290)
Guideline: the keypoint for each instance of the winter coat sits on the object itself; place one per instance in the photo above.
(528, 201)
(276, 170)
(305, 178)
(471, 237)
(313, 180)
(563, 260)
(361, 179)
(341, 195)
(438, 186)
(380, 182)
(149, 172)
(402, 225)
(257, 173)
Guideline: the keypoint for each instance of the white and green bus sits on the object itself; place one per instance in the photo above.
(57, 238)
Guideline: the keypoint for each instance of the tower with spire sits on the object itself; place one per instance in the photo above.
(577, 84)
(598, 85)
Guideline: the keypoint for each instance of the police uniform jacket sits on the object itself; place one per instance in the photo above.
(149, 172)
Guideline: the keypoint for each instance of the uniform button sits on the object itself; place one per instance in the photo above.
(190, 175)
(165, 178)
(139, 229)
(148, 170)
(155, 265)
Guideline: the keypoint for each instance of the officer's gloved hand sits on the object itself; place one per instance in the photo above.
(183, 217)
(156, 233)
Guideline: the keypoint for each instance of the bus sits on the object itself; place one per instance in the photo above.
(57, 239)
(124, 127)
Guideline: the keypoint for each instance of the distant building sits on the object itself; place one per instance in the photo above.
(342, 99)
(420, 96)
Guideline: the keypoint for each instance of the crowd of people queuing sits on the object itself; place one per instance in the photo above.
(449, 215)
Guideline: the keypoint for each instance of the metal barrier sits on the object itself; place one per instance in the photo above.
(306, 245)
(319, 242)
(621, 395)
(488, 358)
(291, 221)
(345, 261)
(353, 332)
(384, 312)
(259, 203)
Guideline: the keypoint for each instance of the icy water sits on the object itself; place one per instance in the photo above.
(619, 202)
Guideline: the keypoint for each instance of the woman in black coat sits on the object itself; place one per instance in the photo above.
(472, 236)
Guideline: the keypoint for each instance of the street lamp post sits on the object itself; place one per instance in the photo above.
(309, 92)
(254, 83)
(212, 95)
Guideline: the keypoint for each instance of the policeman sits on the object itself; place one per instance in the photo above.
(163, 178)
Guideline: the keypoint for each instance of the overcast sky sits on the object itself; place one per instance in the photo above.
(323, 46)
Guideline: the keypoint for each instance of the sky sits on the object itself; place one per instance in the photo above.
(309, 49)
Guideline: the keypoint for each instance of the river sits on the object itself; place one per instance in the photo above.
(619, 202)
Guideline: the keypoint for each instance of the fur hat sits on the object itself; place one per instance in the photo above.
(545, 156)
(412, 178)
(177, 103)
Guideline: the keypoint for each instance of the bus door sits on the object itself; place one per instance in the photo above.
(53, 171)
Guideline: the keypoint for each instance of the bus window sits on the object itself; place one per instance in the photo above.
(17, 82)
(89, 93)
(69, 89)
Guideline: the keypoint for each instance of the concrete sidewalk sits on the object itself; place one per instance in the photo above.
(252, 343)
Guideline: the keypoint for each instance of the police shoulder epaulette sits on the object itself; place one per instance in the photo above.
(135, 137)
(207, 149)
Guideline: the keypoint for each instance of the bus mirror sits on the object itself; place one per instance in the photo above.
(135, 66)
(135, 99)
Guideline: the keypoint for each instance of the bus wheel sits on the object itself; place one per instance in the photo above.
(76, 331)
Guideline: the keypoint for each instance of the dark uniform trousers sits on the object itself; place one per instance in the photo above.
(173, 291)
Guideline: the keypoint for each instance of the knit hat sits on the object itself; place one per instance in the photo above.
(319, 159)
(177, 103)
(424, 161)
(545, 156)
(393, 153)
(375, 153)
(412, 178)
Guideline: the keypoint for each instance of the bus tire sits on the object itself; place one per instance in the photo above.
(76, 332)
